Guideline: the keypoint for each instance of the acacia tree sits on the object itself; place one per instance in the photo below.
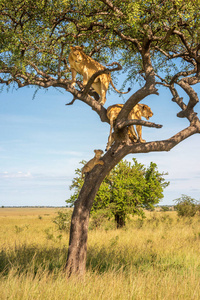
(127, 189)
(156, 41)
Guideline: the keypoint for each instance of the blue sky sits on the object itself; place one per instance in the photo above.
(42, 142)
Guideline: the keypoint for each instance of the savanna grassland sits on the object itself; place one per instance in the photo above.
(153, 258)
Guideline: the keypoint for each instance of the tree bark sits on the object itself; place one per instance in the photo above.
(76, 260)
(120, 220)
(77, 251)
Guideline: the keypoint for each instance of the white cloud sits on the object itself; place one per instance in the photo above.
(18, 174)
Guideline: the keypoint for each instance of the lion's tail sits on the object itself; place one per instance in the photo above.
(118, 90)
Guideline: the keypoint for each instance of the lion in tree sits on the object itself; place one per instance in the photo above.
(86, 66)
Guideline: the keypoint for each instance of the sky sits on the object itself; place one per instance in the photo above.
(42, 142)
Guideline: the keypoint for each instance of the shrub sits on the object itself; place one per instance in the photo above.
(186, 206)
(63, 220)
(99, 218)
(164, 208)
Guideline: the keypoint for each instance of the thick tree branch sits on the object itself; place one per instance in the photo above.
(165, 145)
(182, 74)
(176, 98)
(47, 81)
(186, 83)
(123, 124)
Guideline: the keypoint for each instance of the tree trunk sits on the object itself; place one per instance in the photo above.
(76, 260)
(120, 220)
(77, 251)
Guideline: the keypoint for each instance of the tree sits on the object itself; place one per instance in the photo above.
(156, 42)
(186, 206)
(127, 189)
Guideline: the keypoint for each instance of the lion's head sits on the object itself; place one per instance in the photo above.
(98, 153)
(77, 54)
(146, 111)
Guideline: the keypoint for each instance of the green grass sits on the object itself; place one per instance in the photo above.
(155, 258)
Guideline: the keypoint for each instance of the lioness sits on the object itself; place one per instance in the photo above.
(138, 111)
(86, 66)
(93, 162)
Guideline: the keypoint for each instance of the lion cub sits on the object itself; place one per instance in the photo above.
(93, 162)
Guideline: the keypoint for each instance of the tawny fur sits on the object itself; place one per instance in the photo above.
(93, 162)
(138, 111)
(86, 66)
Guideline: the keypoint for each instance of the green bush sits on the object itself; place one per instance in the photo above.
(186, 206)
(164, 208)
(63, 220)
(100, 218)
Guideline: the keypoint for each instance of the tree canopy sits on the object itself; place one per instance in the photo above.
(156, 42)
(186, 206)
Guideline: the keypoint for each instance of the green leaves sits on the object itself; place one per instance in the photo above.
(186, 206)
(37, 31)
(128, 189)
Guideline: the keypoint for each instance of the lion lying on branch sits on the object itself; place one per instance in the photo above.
(86, 66)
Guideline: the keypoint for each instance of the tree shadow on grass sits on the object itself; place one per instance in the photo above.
(115, 258)
(32, 258)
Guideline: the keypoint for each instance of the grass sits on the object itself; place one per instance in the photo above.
(154, 258)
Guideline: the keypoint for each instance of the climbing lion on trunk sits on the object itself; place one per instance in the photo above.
(86, 66)
(138, 111)
(93, 162)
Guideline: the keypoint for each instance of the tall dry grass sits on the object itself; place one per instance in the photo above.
(155, 258)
